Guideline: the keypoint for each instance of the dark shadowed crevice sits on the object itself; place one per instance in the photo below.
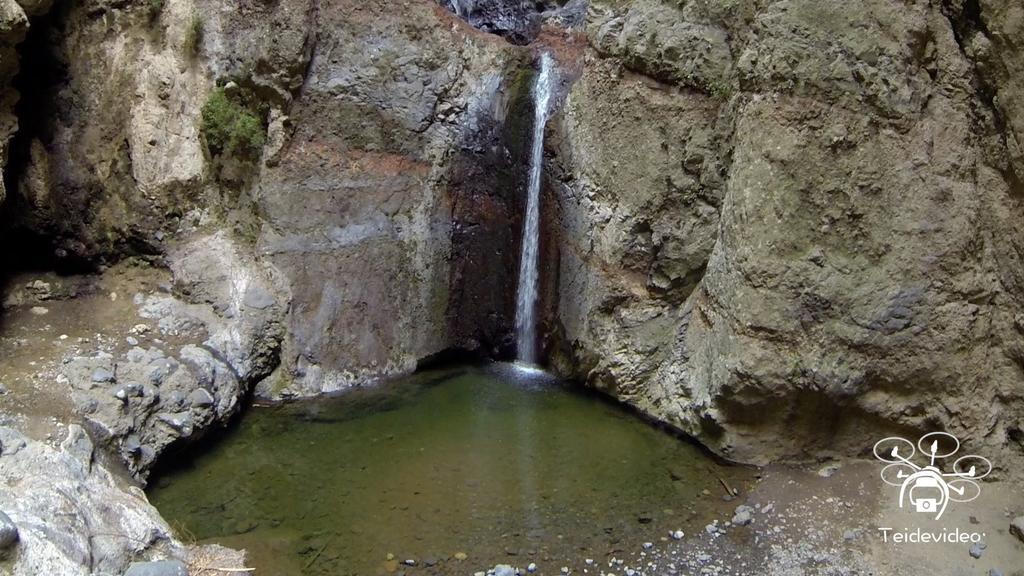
(517, 21)
(41, 74)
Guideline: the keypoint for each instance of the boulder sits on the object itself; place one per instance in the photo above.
(8, 534)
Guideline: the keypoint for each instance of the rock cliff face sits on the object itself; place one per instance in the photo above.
(381, 126)
(792, 227)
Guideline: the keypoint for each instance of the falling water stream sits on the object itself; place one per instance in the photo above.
(526, 296)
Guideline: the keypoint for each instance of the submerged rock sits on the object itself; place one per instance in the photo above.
(157, 568)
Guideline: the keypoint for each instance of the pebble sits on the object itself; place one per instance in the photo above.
(743, 515)
(531, 568)
(565, 570)
(677, 535)
(3, 389)
(460, 556)
(995, 572)
(503, 570)
(39, 310)
(976, 550)
(589, 562)
(828, 471)
(409, 562)
(131, 340)
(648, 545)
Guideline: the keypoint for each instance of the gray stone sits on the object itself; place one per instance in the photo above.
(259, 298)
(8, 533)
(1017, 527)
(976, 550)
(503, 570)
(743, 515)
(157, 568)
(101, 375)
(995, 572)
(200, 398)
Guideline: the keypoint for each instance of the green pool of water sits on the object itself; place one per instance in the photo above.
(491, 462)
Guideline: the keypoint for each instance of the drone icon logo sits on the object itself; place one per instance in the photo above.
(926, 488)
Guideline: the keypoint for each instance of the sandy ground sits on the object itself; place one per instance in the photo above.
(827, 520)
(48, 318)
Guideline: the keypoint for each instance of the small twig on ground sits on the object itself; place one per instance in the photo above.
(318, 553)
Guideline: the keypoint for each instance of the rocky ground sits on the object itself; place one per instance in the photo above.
(117, 353)
(826, 521)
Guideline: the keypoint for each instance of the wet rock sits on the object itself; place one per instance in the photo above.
(517, 21)
(157, 568)
(531, 567)
(8, 534)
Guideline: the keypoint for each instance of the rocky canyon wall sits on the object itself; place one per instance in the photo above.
(381, 142)
(791, 227)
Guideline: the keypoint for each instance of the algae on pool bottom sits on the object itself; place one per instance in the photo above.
(498, 464)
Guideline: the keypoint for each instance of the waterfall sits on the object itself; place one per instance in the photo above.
(526, 296)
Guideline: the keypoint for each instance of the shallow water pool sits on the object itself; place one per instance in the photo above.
(457, 469)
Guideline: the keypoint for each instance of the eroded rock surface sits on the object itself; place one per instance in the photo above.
(792, 228)
(74, 517)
